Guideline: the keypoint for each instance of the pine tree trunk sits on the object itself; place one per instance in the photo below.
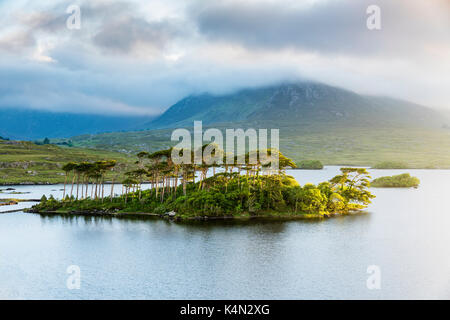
(176, 185)
(82, 188)
(71, 190)
(103, 188)
(140, 191)
(164, 191)
(65, 181)
(157, 185)
(78, 184)
(112, 189)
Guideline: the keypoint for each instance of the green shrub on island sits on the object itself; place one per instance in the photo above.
(240, 190)
(310, 165)
(391, 165)
(399, 181)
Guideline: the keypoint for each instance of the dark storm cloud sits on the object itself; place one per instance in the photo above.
(29, 85)
(122, 34)
(326, 26)
(121, 28)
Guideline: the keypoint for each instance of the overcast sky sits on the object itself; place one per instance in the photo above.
(139, 57)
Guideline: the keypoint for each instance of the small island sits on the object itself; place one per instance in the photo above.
(399, 181)
(185, 191)
(391, 165)
(310, 165)
(8, 202)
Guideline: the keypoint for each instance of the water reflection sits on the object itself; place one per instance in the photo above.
(404, 232)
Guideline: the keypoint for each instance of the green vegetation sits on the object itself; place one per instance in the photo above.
(27, 163)
(8, 202)
(239, 190)
(86, 173)
(43, 142)
(332, 125)
(398, 181)
(298, 103)
(310, 164)
(337, 127)
(391, 165)
(343, 144)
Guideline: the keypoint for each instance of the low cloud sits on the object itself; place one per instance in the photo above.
(16, 41)
(139, 57)
(328, 27)
(128, 34)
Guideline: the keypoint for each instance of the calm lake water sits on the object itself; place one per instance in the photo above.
(405, 232)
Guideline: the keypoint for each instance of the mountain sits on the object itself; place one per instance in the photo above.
(316, 121)
(303, 102)
(307, 104)
(32, 124)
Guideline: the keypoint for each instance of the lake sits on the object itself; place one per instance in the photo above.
(405, 233)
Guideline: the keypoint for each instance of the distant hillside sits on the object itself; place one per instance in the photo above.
(32, 124)
(331, 144)
(446, 119)
(316, 122)
(304, 102)
(24, 162)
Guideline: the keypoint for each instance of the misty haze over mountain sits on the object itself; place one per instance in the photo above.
(299, 102)
(137, 58)
(285, 104)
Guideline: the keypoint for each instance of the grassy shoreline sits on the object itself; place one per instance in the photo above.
(61, 181)
(25, 163)
(279, 216)
(333, 144)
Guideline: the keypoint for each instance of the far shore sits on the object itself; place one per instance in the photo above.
(51, 184)
(45, 183)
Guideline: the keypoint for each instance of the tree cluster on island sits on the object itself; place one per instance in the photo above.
(211, 190)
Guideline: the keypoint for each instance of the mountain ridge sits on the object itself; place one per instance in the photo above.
(286, 104)
(294, 102)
